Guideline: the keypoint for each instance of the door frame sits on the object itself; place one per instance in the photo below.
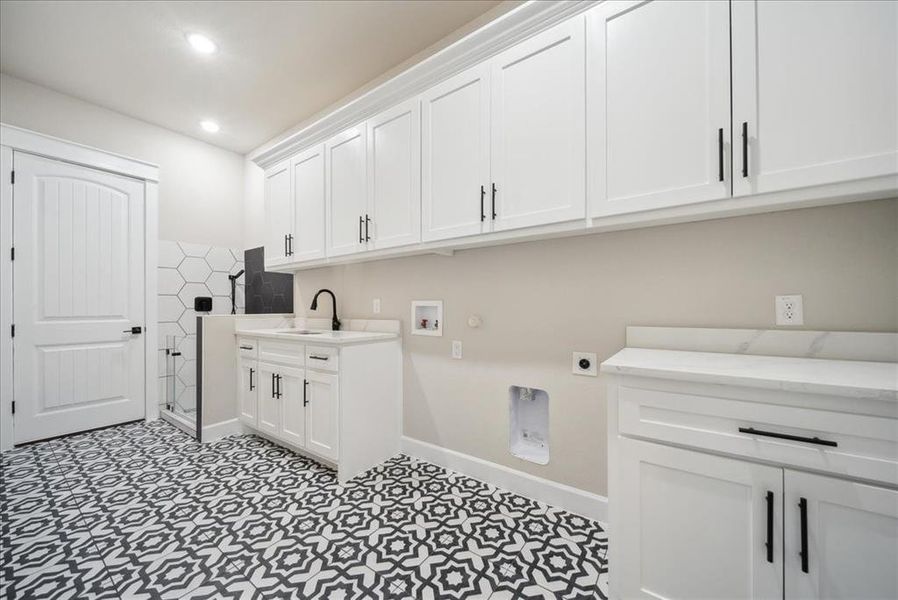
(15, 139)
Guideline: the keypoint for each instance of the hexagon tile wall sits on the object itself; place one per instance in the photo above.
(186, 271)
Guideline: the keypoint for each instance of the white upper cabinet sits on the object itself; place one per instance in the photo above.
(455, 155)
(308, 205)
(394, 176)
(815, 84)
(659, 104)
(278, 213)
(538, 130)
(346, 188)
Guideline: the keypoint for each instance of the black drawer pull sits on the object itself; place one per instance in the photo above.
(246, 347)
(769, 542)
(786, 436)
(316, 357)
(803, 513)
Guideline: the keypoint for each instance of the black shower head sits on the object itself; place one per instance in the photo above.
(236, 276)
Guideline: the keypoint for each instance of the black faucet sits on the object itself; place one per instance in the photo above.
(335, 322)
(233, 279)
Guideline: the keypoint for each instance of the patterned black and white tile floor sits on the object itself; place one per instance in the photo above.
(143, 511)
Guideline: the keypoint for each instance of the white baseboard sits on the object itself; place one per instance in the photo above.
(219, 430)
(563, 496)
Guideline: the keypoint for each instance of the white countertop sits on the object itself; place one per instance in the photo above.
(849, 378)
(318, 336)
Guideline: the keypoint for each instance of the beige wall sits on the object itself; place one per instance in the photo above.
(200, 187)
(541, 300)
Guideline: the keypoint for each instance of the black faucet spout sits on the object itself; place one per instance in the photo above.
(335, 322)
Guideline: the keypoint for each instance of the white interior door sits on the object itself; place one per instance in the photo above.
(394, 175)
(852, 539)
(538, 158)
(323, 424)
(659, 108)
(347, 185)
(816, 85)
(308, 205)
(455, 155)
(278, 213)
(693, 525)
(78, 289)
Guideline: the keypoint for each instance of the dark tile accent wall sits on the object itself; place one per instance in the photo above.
(266, 292)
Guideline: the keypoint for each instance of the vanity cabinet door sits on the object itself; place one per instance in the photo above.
(456, 156)
(292, 405)
(394, 176)
(841, 538)
(815, 85)
(248, 384)
(269, 404)
(659, 104)
(323, 426)
(694, 525)
(278, 214)
(308, 205)
(538, 138)
(346, 190)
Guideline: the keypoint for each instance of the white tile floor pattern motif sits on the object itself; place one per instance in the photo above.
(143, 511)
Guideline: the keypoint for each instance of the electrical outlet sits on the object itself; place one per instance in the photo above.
(375, 306)
(789, 310)
(585, 364)
(456, 349)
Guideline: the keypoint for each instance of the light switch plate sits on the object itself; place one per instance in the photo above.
(789, 310)
(375, 306)
(456, 349)
(590, 367)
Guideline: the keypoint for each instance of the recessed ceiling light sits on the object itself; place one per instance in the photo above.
(201, 43)
(210, 126)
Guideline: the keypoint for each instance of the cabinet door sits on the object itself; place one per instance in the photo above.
(659, 104)
(455, 155)
(269, 417)
(308, 205)
(278, 213)
(248, 384)
(323, 428)
(346, 188)
(293, 409)
(394, 175)
(852, 538)
(694, 525)
(816, 85)
(538, 158)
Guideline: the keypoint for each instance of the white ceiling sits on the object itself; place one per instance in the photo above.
(278, 62)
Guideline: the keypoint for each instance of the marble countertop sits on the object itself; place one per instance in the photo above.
(318, 336)
(849, 378)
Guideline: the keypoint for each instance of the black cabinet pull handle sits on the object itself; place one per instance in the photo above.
(720, 154)
(769, 542)
(316, 357)
(745, 148)
(305, 396)
(289, 244)
(246, 347)
(367, 221)
(493, 200)
(285, 245)
(803, 512)
(786, 436)
(482, 196)
(251, 386)
(278, 380)
(361, 239)
(272, 386)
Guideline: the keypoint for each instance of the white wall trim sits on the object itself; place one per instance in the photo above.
(549, 492)
(150, 306)
(216, 431)
(6, 346)
(58, 149)
(497, 35)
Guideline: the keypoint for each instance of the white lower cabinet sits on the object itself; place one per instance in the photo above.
(702, 526)
(340, 404)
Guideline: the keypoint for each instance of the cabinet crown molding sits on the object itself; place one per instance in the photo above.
(518, 24)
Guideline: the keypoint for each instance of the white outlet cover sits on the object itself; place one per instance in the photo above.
(375, 306)
(592, 370)
(789, 310)
(456, 349)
